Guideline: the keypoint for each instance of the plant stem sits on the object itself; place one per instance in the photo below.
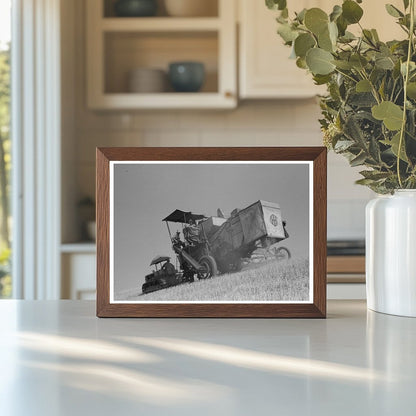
(406, 80)
(346, 75)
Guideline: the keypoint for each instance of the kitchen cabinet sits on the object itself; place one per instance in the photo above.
(78, 263)
(265, 70)
(118, 45)
(346, 277)
(264, 65)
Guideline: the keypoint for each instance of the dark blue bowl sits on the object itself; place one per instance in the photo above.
(187, 76)
(135, 8)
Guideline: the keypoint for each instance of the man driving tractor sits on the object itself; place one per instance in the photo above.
(168, 267)
(191, 233)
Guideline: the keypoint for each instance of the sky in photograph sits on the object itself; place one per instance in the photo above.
(145, 194)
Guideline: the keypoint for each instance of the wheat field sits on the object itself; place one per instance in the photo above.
(272, 281)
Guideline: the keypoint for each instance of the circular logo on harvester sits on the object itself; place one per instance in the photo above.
(273, 220)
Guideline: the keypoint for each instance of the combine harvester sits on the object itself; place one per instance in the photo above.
(216, 245)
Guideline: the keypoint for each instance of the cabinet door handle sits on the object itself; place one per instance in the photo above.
(229, 94)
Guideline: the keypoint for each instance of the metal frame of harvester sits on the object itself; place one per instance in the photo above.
(222, 243)
(225, 242)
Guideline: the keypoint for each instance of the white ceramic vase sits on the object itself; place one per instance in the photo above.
(391, 253)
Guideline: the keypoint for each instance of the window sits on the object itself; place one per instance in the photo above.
(5, 147)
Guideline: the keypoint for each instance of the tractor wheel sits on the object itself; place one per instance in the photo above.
(282, 253)
(209, 267)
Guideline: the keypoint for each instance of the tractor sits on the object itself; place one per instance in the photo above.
(162, 276)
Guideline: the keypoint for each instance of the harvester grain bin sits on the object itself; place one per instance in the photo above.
(218, 244)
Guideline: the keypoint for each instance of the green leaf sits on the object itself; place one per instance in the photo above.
(363, 86)
(384, 62)
(394, 145)
(391, 114)
(354, 132)
(406, 4)
(336, 12)
(358, 61)
(368, 36)
(303, 43)
(365, 182)
(301, 63)
(352, 12)
(393, 11)
(358, 160)
(374, 174)
(412, 67)
(276, 4)
(301, 15)
(325, 42)
(342, 25)
(343, 145)
(320, 61)
(316, 20)
(333, 32)
(374, 150)
(344, 65)
(375, 35)
(411, 90)
(287, 33)
(347, 37)
(321, 79)
(362, 99)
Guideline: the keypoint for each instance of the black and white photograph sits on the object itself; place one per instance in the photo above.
(211, 232)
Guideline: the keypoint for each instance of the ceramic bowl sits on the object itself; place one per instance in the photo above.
(147, 80)
(187, 76)
(135, 8)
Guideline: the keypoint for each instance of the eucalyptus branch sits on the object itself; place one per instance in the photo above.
(392, 91)
(398, 95)
(373, 88)
(406, 80)
(346, 75)
(385, 96)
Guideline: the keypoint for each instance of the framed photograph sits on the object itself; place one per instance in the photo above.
(211, 232)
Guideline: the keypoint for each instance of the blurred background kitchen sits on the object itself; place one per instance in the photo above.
(185, 73)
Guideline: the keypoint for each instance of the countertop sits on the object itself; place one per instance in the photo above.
(57, 358)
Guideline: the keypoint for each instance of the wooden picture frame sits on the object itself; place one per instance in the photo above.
(111, 160)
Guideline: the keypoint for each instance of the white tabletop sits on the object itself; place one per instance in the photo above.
(57, 358)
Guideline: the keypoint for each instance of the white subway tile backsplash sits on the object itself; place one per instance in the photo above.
(148, 120)
(346, 219)
(103, 121)
(171, 138)
(202, 120)
(233, 138)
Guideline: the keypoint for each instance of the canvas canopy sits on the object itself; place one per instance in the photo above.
(159, 259)
(183, 217)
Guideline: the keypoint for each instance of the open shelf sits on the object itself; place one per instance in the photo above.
(211, 9)
(87, 247)
(127, 51)
(119, 45)
(167, 100)
(160, 24)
